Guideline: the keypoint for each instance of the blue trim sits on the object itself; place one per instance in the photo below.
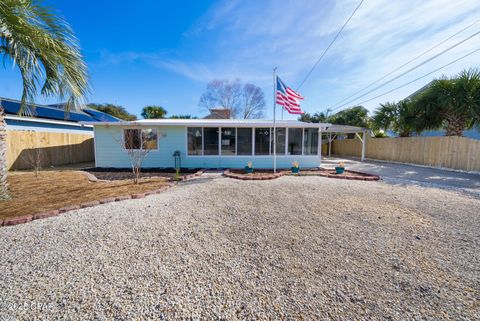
(13, 124)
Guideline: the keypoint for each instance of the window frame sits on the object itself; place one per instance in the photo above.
(156, 129)
(186, 138)
(252, 155)
(305, 130)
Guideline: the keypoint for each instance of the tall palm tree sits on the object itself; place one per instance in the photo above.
(401, 118)
(44, 49)
(454, 102)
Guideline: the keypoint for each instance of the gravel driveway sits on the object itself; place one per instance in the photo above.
(291, 248)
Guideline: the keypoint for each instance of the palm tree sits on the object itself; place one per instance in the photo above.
(454, 103)
(400, 118)
(43, 47)
(154, 112)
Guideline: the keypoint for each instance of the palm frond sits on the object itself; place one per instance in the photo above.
(43, 47)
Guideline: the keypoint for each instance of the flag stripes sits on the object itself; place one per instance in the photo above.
(288, 98)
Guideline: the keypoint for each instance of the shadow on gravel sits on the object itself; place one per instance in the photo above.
(408, 182)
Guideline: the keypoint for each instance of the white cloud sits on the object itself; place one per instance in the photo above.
(248, 38)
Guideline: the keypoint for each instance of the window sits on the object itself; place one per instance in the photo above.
(262, 141)
(244, 141)
(310, 141)
(228, 141)
(210, 141)
(149, 138)
(280, 137)
(295, 141)
(140, 138)
(194, 140)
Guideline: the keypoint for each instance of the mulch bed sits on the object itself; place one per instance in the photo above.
(258, 174)
(54, 192)
(115, 174)
(347, 174)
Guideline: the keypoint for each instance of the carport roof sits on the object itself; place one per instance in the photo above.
(343, 129)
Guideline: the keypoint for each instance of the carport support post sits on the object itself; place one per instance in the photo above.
(364, 144)
(329, 145)
(320, 146)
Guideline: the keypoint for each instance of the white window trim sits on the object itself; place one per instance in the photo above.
(141, 138)
(286, 155)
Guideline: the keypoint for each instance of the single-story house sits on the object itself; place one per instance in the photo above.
(211, 143)
(51, 118)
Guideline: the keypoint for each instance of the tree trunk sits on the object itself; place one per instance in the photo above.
(455, 125)
(4, 194)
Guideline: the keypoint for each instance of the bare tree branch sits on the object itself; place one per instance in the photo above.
(134, 146)
(243, 100)
(254, 102)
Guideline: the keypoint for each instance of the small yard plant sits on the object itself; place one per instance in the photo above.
(295, 167)
(340, 168)
(177, 174)
(249, 168)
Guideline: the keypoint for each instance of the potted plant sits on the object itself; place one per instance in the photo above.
(295, 167)
(249, 168)
(340, 168)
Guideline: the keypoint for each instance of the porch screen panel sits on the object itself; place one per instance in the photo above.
(295, 141)
(280, 137)
(262, 141)
(210, 141)
(244, 141)
(310, 141)
(194, 140)
(228, 141)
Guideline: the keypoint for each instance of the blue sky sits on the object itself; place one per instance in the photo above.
(165, 52)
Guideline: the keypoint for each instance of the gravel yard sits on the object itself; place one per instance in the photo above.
(290, 248)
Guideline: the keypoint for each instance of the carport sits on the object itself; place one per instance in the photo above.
(333, 131)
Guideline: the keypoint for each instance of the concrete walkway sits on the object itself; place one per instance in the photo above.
(410, 174)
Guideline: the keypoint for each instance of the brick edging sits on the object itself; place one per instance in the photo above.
(28, 218)
(247, 177)
(189, 176)
(92, 178)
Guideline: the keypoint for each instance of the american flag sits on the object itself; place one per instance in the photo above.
(288, 98)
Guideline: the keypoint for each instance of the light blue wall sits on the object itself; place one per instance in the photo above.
(109, 153)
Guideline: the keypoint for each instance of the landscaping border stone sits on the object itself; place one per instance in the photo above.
(252, 177)
(89, 204)
(17, 220)
(27, 218)
(39, 216)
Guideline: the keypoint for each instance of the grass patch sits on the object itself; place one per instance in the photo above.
(52, 190)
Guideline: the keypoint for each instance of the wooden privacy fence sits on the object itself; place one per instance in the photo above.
(25, 148)
(448, 152)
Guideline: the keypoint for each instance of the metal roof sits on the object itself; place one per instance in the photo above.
(326, 127)
(214, 123)
(56, 112)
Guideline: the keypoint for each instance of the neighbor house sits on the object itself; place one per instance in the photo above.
(47, 135)
(51, 118)
(210, 143)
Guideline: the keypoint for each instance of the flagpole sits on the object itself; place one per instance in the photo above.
(274, 123)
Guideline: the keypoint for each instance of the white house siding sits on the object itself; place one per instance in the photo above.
(109, 153)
